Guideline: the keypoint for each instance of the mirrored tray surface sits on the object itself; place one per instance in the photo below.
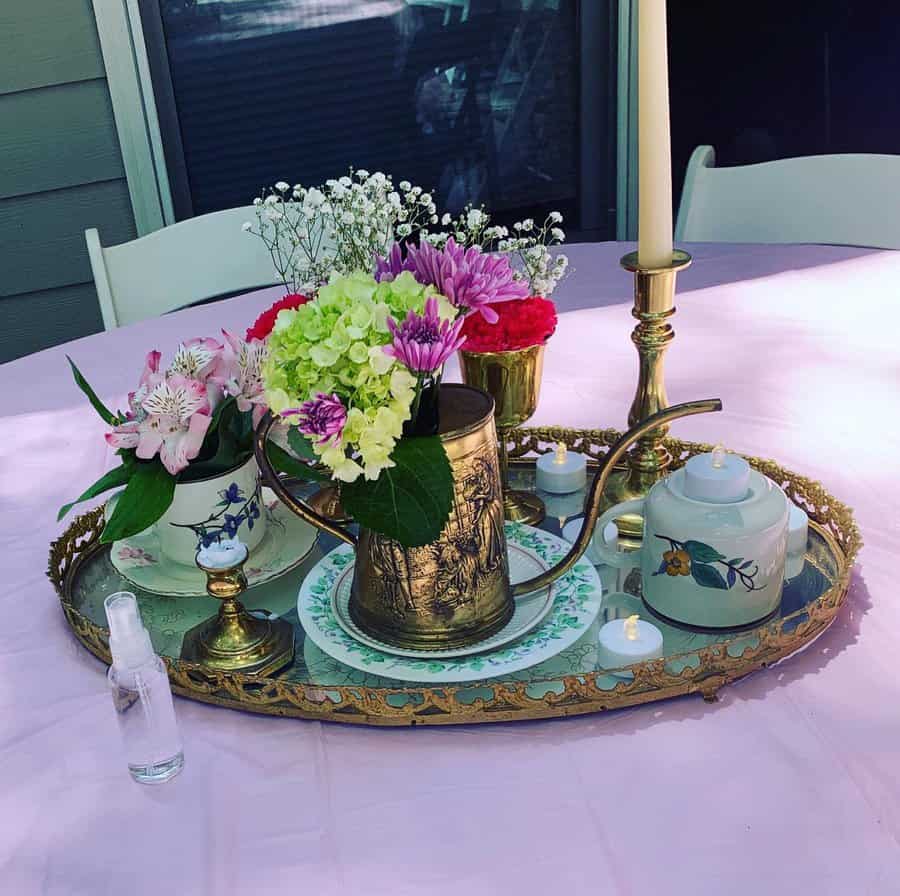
(317, 686)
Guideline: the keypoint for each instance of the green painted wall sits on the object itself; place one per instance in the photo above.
(60, 173)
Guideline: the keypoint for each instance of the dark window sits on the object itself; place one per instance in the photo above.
(782, 78)
(482, 101)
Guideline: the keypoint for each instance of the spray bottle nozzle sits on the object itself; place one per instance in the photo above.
(129, 641)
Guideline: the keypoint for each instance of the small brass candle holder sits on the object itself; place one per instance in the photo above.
(233, 640)
(649, 460)
(513, 380)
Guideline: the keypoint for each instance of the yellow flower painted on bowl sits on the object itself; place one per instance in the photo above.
(678, 563)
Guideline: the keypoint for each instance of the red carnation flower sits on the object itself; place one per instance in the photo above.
(522, 323)
(266, 321)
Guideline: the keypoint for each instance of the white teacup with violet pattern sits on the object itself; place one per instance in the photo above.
(186, 448)
(202, 512)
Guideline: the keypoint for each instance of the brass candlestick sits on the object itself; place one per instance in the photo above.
(649, 460)
(233, 640)
(513, 380)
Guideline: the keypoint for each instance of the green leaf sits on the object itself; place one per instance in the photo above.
(299, 444)
(145, 499)
(231, 446)
(115, 477)
(409, 502)
(227, 404)
(702, 553)
(287, 463)
(736, 562)
(105, 413)
(747, 564)
(708, 576)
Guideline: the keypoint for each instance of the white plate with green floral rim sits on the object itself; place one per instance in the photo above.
(576, 602)
(530, 610)
(287, 542)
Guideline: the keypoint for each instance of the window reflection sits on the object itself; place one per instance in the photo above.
(475, 99)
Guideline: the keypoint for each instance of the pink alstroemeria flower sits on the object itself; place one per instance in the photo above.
(240, 373)
(176, 418)
(196, 358)
(423, 341)
(150, 378)
(321, 418)
(471, 279)
(201, 359)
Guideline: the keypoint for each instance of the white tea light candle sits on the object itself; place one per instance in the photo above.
(561, 472)
(627, 641)
(718, 477)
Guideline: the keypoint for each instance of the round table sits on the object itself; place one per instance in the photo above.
(788, 785)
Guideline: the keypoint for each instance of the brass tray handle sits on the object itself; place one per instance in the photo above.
(272, 480)
(610, 459)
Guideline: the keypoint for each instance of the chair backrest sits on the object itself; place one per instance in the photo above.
(851, 200)
(190, 261)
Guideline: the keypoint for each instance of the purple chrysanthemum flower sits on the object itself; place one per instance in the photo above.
(423, 341)
(321, 418)
(469, 278)
(391, 266)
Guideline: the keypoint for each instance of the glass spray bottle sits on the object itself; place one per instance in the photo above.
(141, 695)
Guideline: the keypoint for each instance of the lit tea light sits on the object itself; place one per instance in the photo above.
(561, 472)
(627, 641)
(717, 477)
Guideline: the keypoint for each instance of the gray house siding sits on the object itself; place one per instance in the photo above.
(60, 173)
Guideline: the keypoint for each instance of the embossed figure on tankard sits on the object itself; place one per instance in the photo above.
(481, 490)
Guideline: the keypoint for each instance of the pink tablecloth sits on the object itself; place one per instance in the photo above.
(789, 785)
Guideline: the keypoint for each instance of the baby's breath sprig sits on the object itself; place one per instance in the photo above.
(528, 244)
(340, 226)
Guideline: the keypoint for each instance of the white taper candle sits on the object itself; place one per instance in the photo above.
(654, 140)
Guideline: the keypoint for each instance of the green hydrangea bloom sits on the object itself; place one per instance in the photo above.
(335, 344)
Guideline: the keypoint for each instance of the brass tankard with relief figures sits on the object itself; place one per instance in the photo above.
(454, 591)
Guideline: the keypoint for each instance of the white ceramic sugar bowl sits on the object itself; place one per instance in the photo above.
(715, 539)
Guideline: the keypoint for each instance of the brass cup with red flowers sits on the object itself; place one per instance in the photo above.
(506, 360)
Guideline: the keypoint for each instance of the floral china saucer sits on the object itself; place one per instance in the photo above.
(287, 542)
(577, 597)
(530, 610)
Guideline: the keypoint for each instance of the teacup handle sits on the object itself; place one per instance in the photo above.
(610, 556)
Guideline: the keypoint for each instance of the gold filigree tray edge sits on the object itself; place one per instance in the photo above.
(580, 693)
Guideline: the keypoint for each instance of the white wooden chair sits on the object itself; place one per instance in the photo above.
(850, 200)
(190, 261)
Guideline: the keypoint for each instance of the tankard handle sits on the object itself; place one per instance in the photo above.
(272, 480)
(610, 459)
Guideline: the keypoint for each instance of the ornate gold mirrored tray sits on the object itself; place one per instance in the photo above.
(319, 687)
